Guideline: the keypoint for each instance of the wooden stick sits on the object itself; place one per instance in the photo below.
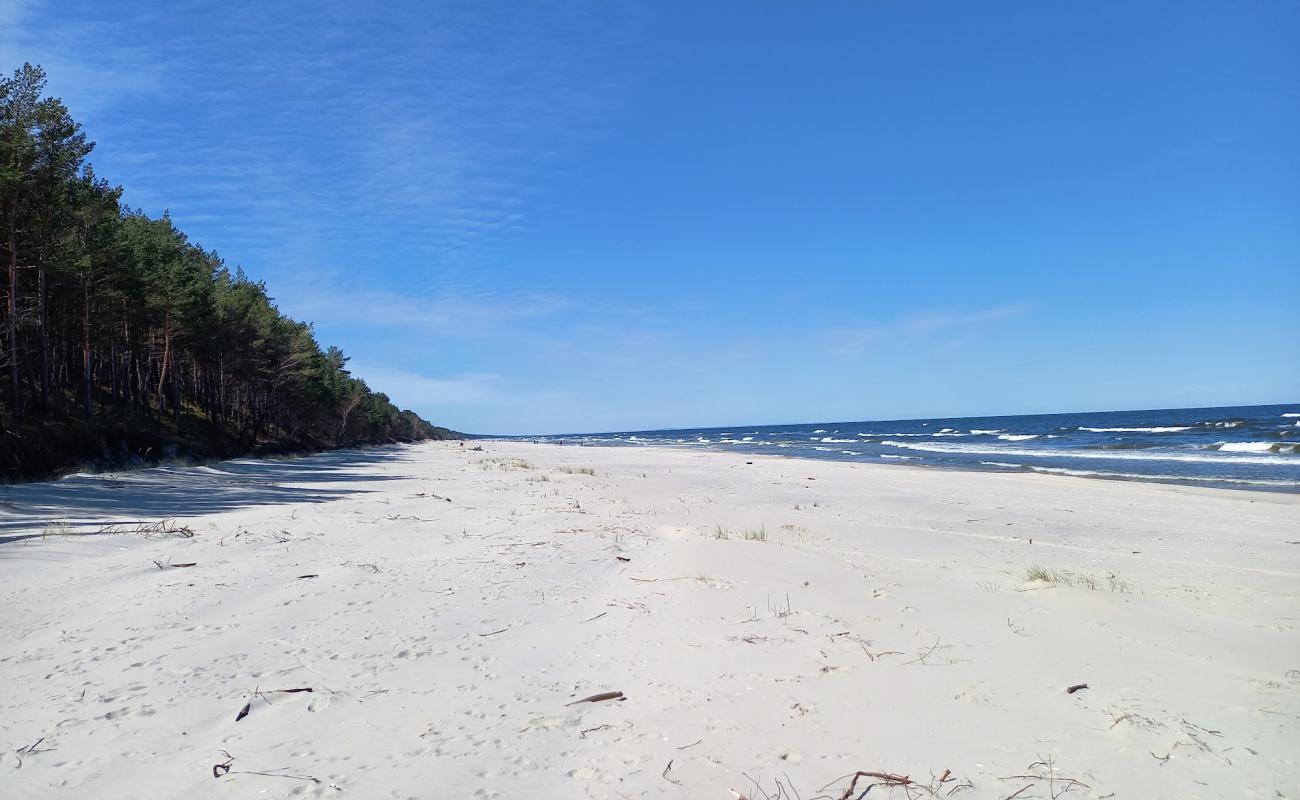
(596, 698)
(886, 778)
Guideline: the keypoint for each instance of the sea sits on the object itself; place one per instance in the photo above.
(1242, 447)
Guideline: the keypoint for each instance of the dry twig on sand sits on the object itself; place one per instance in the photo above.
(243, 712)
(1057, 785)
(921, 657)
(223, 768)
(30, 750)
(596, 698)
(886, 778)
(664, 774)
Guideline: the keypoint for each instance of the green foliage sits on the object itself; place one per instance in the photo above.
(115, 318)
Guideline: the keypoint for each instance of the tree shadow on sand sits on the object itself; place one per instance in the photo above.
(85, 503)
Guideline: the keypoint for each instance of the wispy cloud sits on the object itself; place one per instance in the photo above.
(334, 127)
(409, 389)
(931, 325)
(447, 312)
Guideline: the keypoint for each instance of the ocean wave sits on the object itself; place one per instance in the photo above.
(1161, 429)
(1291, 414)
(1018, 437)
(899, 458)
(1091, 473)
(839, 441)
(820, 430)
(1254, 447)
(978, 432)
(1205, 458)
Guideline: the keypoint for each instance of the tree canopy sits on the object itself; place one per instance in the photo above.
(121, 335)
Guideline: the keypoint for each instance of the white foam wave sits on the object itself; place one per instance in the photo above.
(899, 458)
(838, 441)
(1163, 429)
(1110, 455)
(820, 430)
(1018, 437)
(978, 432)
(1291, 414)
(1246, 447)
(1088, 473)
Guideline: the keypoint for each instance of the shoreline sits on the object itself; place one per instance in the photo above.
(786, 621)
(1048, 472)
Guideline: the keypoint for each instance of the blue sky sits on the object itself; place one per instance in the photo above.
(547, 217)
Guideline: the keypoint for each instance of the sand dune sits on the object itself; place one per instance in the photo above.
(773, 626)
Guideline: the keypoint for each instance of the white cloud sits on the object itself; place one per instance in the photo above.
(448, 312)
(409, 389)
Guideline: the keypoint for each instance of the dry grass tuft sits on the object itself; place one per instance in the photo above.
(1039, 573)
(504, 464)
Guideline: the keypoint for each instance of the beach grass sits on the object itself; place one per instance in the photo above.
(505, 464)
(749, 535)
(1040, 574)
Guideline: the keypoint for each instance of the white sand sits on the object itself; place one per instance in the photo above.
(885, 624)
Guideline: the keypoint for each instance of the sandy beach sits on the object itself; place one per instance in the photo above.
(774, 625)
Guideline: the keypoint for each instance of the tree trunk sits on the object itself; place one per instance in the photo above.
(45, 339)
(85, 346)
(15, 391)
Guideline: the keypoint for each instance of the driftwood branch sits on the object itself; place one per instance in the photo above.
(887, 778)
